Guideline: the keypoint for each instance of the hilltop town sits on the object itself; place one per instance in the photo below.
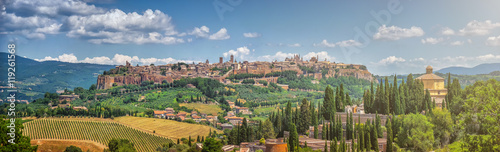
(128, 74)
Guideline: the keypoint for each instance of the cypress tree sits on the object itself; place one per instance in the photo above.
(378, 125)
(374, 138)
(333, 145)
(324, 132)
(326, 146)
(389, 136)
(329, 105)
(189, 141)
(294, 137)
(305, 118)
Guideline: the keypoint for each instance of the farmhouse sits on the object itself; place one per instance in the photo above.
(160, 114)
(68, 97)
(241, 110)
(235, 120)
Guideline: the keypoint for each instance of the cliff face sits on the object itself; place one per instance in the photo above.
(107, 81)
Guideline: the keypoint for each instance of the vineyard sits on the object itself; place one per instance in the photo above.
(98, 131)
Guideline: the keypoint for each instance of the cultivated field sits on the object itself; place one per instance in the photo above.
(203, 108)
(98, 131)
(53, 145)
(167, 128)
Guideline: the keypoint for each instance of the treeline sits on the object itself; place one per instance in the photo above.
(409, 97)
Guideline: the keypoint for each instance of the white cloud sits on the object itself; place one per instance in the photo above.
(447, 31)
(478, 28)
(204, 32)
(200, 32)
(63, 58)
(431, 40)
(52, 8)
(321, 56)
(493, 41)
(457, 43)
(220, 35)
(345, 43)
(240, 52)
(390, 60)
(33, 27)
(252, 35)
(116, 26)
(396, 33)
(118, 59)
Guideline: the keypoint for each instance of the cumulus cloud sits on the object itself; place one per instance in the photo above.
(204, 32)
(400, 65)
(118, 59)
(447, 31)
(220, 35)
(390, 60)
(345, 43)
(116, 26)
(240, 52)
(52, 8)
(431, 40)
(478, 28)
(396, 33)
(252, 35)
(321, 56)
(493, 41)
(34, 19)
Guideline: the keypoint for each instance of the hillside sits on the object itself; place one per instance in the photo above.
(479, 69)
(98, 131)
(168, 128)
(35, 78)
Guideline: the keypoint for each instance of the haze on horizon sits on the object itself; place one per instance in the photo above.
(387, 36)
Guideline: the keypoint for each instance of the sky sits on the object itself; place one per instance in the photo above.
(388, 36)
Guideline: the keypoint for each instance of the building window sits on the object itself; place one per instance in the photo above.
(439, 92)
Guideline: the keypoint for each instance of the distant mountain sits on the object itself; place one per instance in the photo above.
(35, 78)
(480, 69)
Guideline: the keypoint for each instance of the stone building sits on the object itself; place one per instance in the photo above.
(435, 85)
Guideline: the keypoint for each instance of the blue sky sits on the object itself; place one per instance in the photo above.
(416, 34)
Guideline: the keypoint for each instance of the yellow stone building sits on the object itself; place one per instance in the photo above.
(435, 85)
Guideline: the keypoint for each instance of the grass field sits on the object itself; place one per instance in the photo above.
(98, 131)
(53, 145)
(203, 108)
(167, 128)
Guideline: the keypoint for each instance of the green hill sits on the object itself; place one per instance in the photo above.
(35, 78)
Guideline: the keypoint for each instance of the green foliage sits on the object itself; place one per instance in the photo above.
(212, 145)
(416, 133)
(73, 149)
(305, 117)
(268, 130)
(443, 126)
(248, 81)
(293, 140)
(121, 145)
(328, 104)
(22, 143)
(480, 121)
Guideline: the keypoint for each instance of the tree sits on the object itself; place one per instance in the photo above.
(416, 133)
(328, 108)
(294, 138)
(268, 130)
(73, 149)
(22, 143)
(212, 145)
(389, 135)
(333, 145)
(121, 145)
(243, 134)
(480, 118)
(443, 126)
(305, 117)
